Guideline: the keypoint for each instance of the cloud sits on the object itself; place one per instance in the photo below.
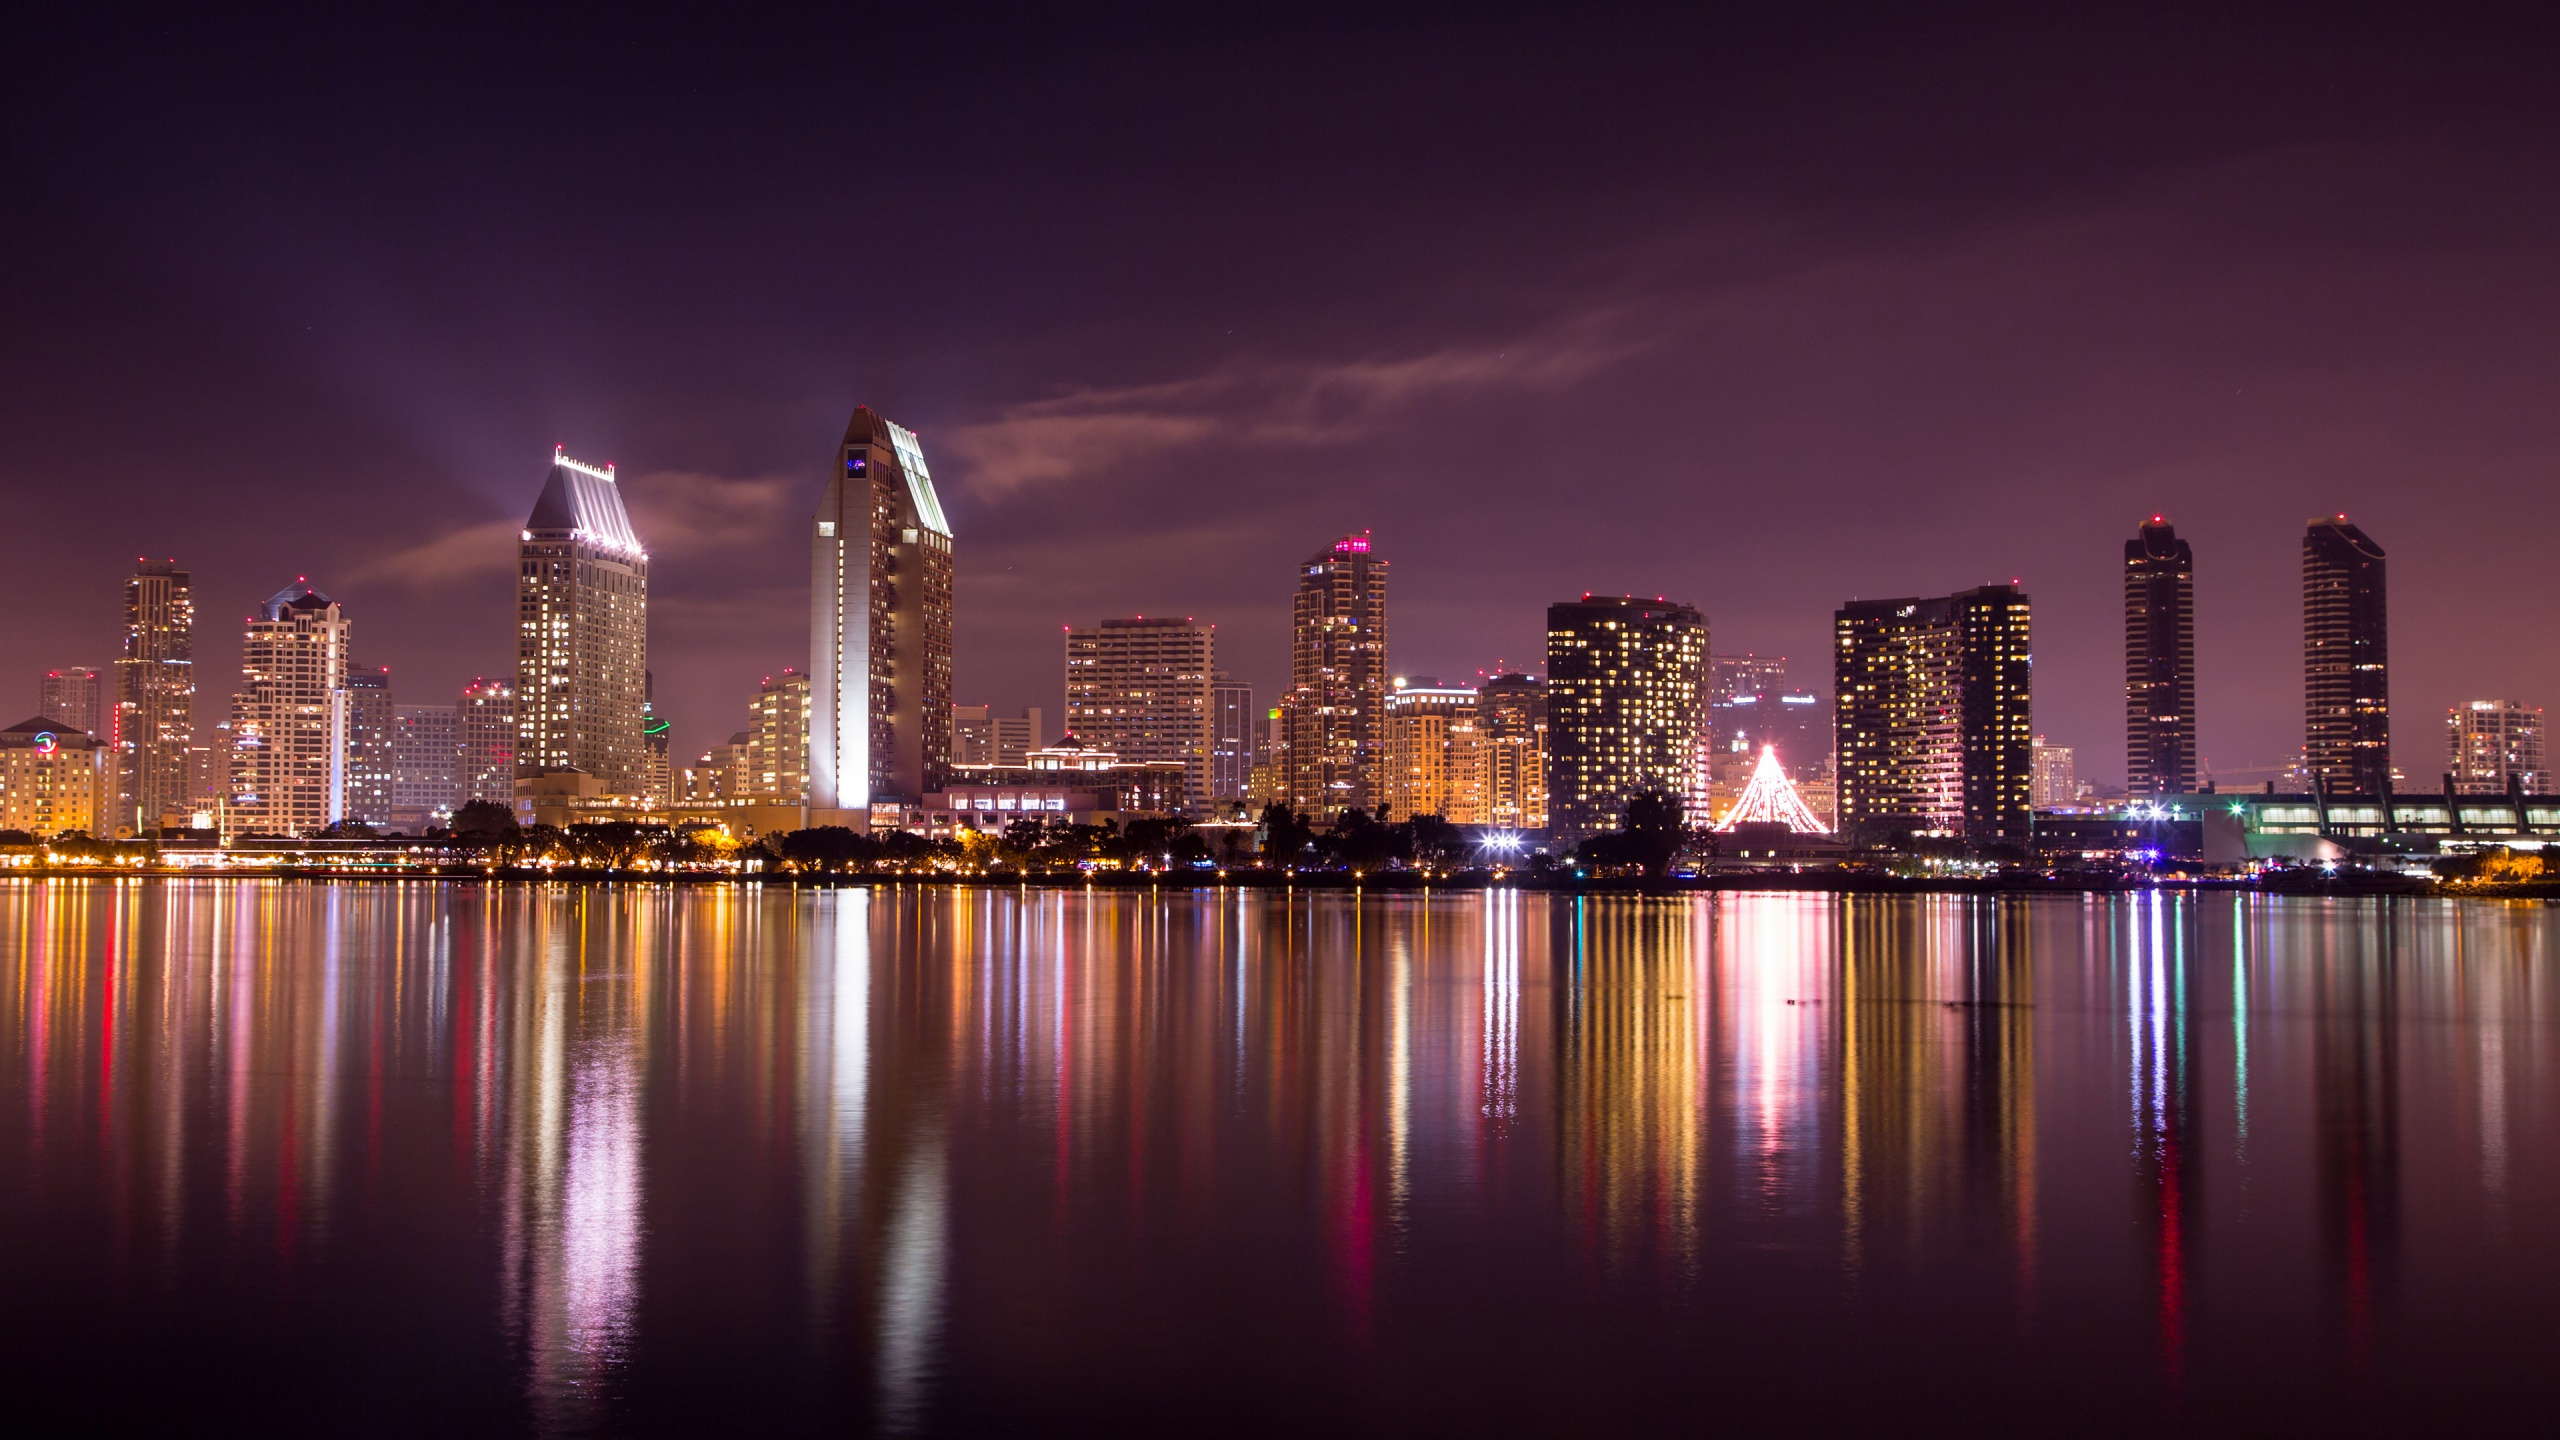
(1274, 403)
(488, 548)
(685, 512)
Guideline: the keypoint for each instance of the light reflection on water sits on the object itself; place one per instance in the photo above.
(425, 1158)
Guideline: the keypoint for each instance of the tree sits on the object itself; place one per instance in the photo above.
(484, 818)
(1284, 836)
(1648, 837)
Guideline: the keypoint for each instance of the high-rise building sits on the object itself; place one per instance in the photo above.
(1437, 762)
(582, 633)
(1626, 707)
(2054, 781)
(54, 780)
(1744, 674)
(1016, 736)
(778, 740)
(69, 695)
(973, 735)
(1139, 688)
(880, 622)
(365, 761)
(2159, 662)
(1933, 714)
(488, 725)
(1231, 731)
(1334, 709)
(2346, 660)
(2492, 744)
(289, 717)
(426, 766)
(656, 741)
(1511, 710)
(154, 722)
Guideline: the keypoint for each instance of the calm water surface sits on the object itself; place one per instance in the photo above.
(285, 1158)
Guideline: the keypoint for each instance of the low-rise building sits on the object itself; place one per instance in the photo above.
(54, 780)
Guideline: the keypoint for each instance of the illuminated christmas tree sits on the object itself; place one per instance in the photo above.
(1770, 799)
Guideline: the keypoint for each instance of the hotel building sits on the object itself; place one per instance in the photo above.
(289, 717)
(582, 634)
(1932, 714)
(2346, 661)
(1333, 713)
(154, 720)
(879, 628)
(1139, 688)
(1626, 707)
(2159, 662)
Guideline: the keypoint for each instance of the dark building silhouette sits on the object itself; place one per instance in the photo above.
(2159, 662)
(1626, 707)
(1932, 714)
(2346, 661)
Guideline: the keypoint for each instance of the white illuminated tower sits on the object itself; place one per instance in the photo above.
(582, 636)
(880, 597)
(289, 718)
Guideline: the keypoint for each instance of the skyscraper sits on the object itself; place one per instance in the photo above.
(365, 746)
(1232, 722)
(2054, 780)
(582, 633)
(1626, 705)
(1512, 711)
(880, 622)
(1933, 714)
(2490, 743)
(288, 719)
(778, 740)
(426, 766)
(1437, 762)
(1334, 710)
(154, 721)
(2159, 662)
(488, 725)
(2346, 661)
(1140, 689)
(69, 695)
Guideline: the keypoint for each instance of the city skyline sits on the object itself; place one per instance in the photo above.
(2246, 308)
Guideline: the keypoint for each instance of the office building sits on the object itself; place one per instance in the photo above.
(1626, 707)
(2492, 746)
(1333, 711)
(1436, 762)
(1139, 688)
(2159, 662)
(656, 740)
(2346, 661)
(54, 780)
(70, 695)
(1511, 712)
(973, 735)
(1232, 724)
(582, 637)
(1744, 674)
(2054, 780)
(426, 766)
(154, 721)
(289, 717)
(487, 720)
(879, 627)
(778, 740)
(1932, 708)
(725, 772)
(365, 760)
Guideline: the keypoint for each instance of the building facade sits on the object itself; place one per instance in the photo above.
(426, 766)
(289, 717)
(2159, 661)
(55, 780)
(2493, 745)
(1626, 707)
(154, 721)
(582, 633)
(1437, 762)
(2346, 660)
(1139, 688)
(778, 740)
(1232, 723)
(365, 757)
(973, 735)
(70, 695)
(1932, 714)
(880, 626)
(2056, 778)
(1511, 712)
(487, 719)
(1334, 711)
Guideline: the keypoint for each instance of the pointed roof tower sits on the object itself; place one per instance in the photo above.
(581, 502)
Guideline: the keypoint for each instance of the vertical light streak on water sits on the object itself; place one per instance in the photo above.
(911, 1302)
(1399, 1079)
(837, 1050)
(1243, 939)
(601, 1204)
(1501, 910)
(2487, 1006)
(240, 1009)
(2240, 1034)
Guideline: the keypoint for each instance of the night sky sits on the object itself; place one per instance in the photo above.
(1761, 312)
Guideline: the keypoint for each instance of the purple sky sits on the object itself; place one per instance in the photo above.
(1761, 314)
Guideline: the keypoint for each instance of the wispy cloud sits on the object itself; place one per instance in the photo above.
(474, 550)
(679, 514)
(1274, 403)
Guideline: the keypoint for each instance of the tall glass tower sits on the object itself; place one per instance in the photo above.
(582, 633)
(1334, 711)
(880, 613)
(2159, 662)
(154, 722)
(2346, 661)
